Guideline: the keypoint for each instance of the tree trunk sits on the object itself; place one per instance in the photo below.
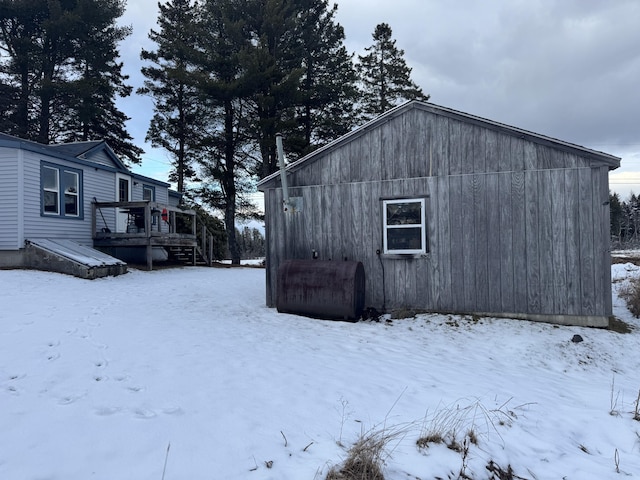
(22, 119)
(229, 184)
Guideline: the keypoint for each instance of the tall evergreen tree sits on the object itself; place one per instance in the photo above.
(179, 114)
(616, 214)
(271, 64)
(384, 75)
(252, 69)
(328, 89)
(61, 64)
(225, 158)
(21, 40)
(97, 81)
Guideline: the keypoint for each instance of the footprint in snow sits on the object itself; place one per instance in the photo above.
(69, 399)
(12, 390)
(144, 413)
(173, 411)
(106, 411)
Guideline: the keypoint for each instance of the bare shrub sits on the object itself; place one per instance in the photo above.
(630, 293)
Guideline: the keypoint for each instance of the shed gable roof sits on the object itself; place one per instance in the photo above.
(599, 157)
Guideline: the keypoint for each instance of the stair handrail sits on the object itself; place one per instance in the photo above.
(205, 248)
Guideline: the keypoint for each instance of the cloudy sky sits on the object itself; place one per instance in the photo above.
(569, 69)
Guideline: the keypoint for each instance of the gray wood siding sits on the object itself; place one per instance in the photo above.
(423, 144)
(9, 198)
(508, 242)
(514, 225)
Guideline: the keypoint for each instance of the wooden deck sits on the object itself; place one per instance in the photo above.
(149, 225)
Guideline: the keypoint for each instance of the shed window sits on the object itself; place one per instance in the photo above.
(404, 226)
(61, 191)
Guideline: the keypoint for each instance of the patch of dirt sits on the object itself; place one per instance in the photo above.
(635, 259)
(617, 325)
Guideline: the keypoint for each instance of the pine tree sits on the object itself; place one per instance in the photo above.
(271, 65)
(616, 214)
(179, 113)
(225, 158)
(328, 89)
(97, 81)
(20, 26)
(384, 75)
(62, 71)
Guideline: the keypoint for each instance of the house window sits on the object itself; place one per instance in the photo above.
(71, 193)
(148, 193)
(50, 190)
(123, 190)
(405, 230)
(61, 191)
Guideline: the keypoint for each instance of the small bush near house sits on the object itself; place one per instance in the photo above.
(631, 295)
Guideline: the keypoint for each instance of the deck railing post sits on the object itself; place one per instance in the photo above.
(147, 230)
(210, 250)
(147, 220)
(203, 240)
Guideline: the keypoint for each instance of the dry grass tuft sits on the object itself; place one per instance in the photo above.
(425, 440)
(366, 458)
(454, 425)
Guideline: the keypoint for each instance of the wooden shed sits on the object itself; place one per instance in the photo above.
(453, 213)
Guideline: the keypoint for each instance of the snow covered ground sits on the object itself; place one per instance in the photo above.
(185, 374)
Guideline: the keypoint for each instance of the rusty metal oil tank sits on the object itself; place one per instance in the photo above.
(321, 289)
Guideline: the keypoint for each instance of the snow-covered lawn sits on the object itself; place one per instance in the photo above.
(111, 378)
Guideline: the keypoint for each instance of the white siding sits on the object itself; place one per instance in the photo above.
(9, 201)
(102, 158)
(96, 183)
(20, 199)
(161, 193)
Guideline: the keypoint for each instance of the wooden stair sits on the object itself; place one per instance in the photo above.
(184, 255)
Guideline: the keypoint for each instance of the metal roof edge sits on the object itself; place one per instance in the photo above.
(148, 179)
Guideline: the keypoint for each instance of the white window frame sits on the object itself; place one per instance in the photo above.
(152, 193)
(422, 225)
(71, 193)
(55, 191)
(62, 190)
